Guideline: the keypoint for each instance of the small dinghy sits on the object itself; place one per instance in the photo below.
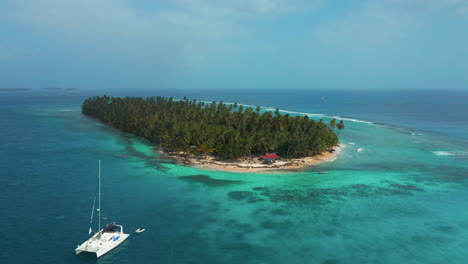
(139, 230)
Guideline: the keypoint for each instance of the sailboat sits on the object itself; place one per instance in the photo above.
(107, 238)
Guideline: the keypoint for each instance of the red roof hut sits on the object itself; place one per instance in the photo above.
(270, 156)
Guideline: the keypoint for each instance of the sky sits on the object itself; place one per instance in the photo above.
(234, 44)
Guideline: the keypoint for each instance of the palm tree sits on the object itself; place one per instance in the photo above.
(201, 128)
(277, 113)
(333, 124)
(340, 126)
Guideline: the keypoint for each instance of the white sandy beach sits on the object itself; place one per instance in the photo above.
(253, 164)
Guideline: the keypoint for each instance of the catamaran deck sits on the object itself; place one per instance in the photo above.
(103, 241)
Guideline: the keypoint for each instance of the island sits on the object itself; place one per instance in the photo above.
(220, 136)
(14, 89)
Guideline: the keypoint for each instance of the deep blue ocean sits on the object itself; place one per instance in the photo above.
(398, 192)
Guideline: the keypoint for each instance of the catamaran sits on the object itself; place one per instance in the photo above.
(107, 238)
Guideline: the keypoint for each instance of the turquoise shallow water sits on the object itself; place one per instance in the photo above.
(397, 193)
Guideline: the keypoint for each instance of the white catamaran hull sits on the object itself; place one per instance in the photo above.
(102, 242)
(107, 238)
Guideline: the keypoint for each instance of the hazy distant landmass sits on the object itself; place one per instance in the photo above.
(28, 89)
(14, 89)
(58, 88)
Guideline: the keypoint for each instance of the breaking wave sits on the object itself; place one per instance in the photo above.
(450, 153)
(271, 109)
(319, 115)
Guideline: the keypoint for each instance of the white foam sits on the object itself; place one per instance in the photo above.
(450, 153)
(352, 143)
(360, 150)
(302, 113)
(245, 105)
(269, 109)
(64, 110)
(208, 103)
(293, 112)
(356, 120)
(321, 115)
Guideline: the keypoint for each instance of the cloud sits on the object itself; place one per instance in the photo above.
(369, 25)
(383, 22)
(249, 7)
(422, 5)
(71, 19)
(122, 17)
(276, 7)
(463, 10)
(386, 42)
(190, 33)
(4, 54)
(118, 29)
(232, 38)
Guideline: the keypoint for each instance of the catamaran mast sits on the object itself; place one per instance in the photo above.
(99, 194)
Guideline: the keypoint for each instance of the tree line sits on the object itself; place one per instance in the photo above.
(229, 131)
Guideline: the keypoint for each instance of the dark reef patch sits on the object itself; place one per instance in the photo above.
(407, 187)
(279, 226)
(321, 196)
(214, 206)
(207, 180)
(279, 211)
(250, 197)
(152, 162)
(453, 176)
(329, 232)
(445, 229)
(393, 189)
(235, 225)
(331, 261)
(294, 196)
(428, 240)
(390, 192)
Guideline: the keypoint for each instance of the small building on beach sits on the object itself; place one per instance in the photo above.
(270, 158)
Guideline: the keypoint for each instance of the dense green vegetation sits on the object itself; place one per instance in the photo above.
(229, 131)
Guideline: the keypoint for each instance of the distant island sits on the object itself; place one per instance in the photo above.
(27, 89)
(219, 135)
(14, 89)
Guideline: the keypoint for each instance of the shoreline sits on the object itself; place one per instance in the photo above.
(253, 164)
